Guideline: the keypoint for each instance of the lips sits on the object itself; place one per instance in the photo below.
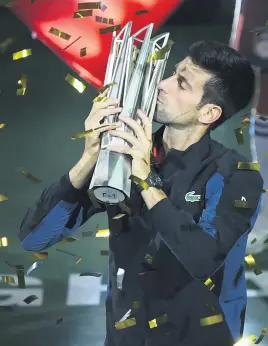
(83, 33)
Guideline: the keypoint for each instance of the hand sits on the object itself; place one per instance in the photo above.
(99, 111)
(141, 145)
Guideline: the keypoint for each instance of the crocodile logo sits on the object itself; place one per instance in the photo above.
(191, 197)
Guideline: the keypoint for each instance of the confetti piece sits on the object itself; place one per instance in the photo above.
(34, 266)
(59, 321)
(59, 33)
(103, 233)
(89, 5)
(100, 99)
(119, 216)
(87, 234)
(88, 132)
(209, 283)
(148, 259)
(264, 190)
(252, 265)
(157, 321)
(208, 321)
(130, 322)
(23, 82)
(104, 20)
(138, 13)
(104, 252)
(246, 341)
(110, 29)
(239, 136)
(8, 280)
(248, 166)
(160, 55)
(69, 45)
(5, 44)
(136, 307)
(40, 255)
(22, 54)
(261, 337)
(20, 276)
(68, 240)
(4, 242)
(83, 14)
(66, 252)
(78, 260)
(75, 83)
(97, 275)
(2, 125)
(3, 198)
(83, 52)
(30, 299)
(241, 204)
(106, 87)
(263, 118)
(253, 241)
(139, 181)
(29, 176)
(103, 8)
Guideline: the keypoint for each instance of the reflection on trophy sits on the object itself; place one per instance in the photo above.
(136, 65)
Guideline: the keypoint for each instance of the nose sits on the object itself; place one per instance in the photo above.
(163, 85)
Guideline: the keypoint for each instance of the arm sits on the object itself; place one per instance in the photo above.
(202, 247)
(61, 209)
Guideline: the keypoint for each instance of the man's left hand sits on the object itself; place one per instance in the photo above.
(141, 145)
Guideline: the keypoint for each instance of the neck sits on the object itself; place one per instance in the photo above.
(181, 138)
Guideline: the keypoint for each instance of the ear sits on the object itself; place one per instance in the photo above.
(209, 113)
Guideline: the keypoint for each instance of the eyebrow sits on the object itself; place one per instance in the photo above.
(183, 78)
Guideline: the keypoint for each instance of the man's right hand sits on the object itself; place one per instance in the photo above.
(99, 111)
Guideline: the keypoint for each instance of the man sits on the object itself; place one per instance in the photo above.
(188, 231)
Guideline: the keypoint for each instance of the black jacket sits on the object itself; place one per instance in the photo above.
(169, 252)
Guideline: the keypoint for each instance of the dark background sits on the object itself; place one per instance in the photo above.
(37, 136)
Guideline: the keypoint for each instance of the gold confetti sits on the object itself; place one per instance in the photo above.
(104, 20)
(160, 55)
(8, 280)
(40, 255)
(252, 265)
(66, 252)
(241, 204)
(110, 29)
(83, 14)
(59, 33)
(34, 266)
(103, 233)
(23, 82)
(3, 197)
(97, 275)
(83, 52)
(157, 321)
(87, 234)
(209, 283)
(139, 181)
(265, 190)
(130, 322)
(106, 87)
(30, 299)
(261, 337)
(89, 5)
(59, 321)
(75, 83)
(136, 306)
(148, 259)
(138, 13)
(29, 176)
(239, 136)
(68, 240)
(100, 99)
(253, 241)
(4, 242)
(246, 341)
(20, 276)
(119, 216)
(78, 260)
(251, 166)
(22, 54)
(104, 252)
(89, 132)
(2, 125)
(208, 321)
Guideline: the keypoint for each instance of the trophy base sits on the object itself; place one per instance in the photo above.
(108, 195)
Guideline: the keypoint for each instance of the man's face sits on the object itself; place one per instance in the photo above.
(180, 94)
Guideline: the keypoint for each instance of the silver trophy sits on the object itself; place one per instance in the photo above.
(135, 74)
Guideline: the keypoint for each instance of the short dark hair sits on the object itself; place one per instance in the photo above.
(233, 82)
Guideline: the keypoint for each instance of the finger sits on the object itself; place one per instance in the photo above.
(121, 149)
(137, 128)
(107, 127)
(127, 137)
(110, 111)
(147, 124)
(108, 103)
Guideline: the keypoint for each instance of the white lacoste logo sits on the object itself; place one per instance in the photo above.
(243, 199)
(191, 197)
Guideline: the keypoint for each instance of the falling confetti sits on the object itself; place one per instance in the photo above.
(20, 276)
(66, 252)
(29, 176)
(87, 234)
(78, 260)
(97, 275)
(106, 87)
(2, 125)
(75, 83)
(160, 55)
(83, 52)
(30, 299)
(83, 14)
(104, 252)
(209, 283)
(208, 321)
(60, 34)
(239, 136)
(103, 233)
(252, 265)
(40, 255)
(68, 240)
(89, 5)
(23, 82)
(138, 13)
(241, 204)
(119, 216)
(104, 20)
(4, 242)
(8, 280)
(59, 321)
(253, 241)
(251, 166)
(34, 266)
(130, 322)
(3, 197)
(157, 321)
(22, 54)
(110, 29)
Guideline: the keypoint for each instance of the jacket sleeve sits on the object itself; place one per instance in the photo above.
(202, 247)
(58, 213)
